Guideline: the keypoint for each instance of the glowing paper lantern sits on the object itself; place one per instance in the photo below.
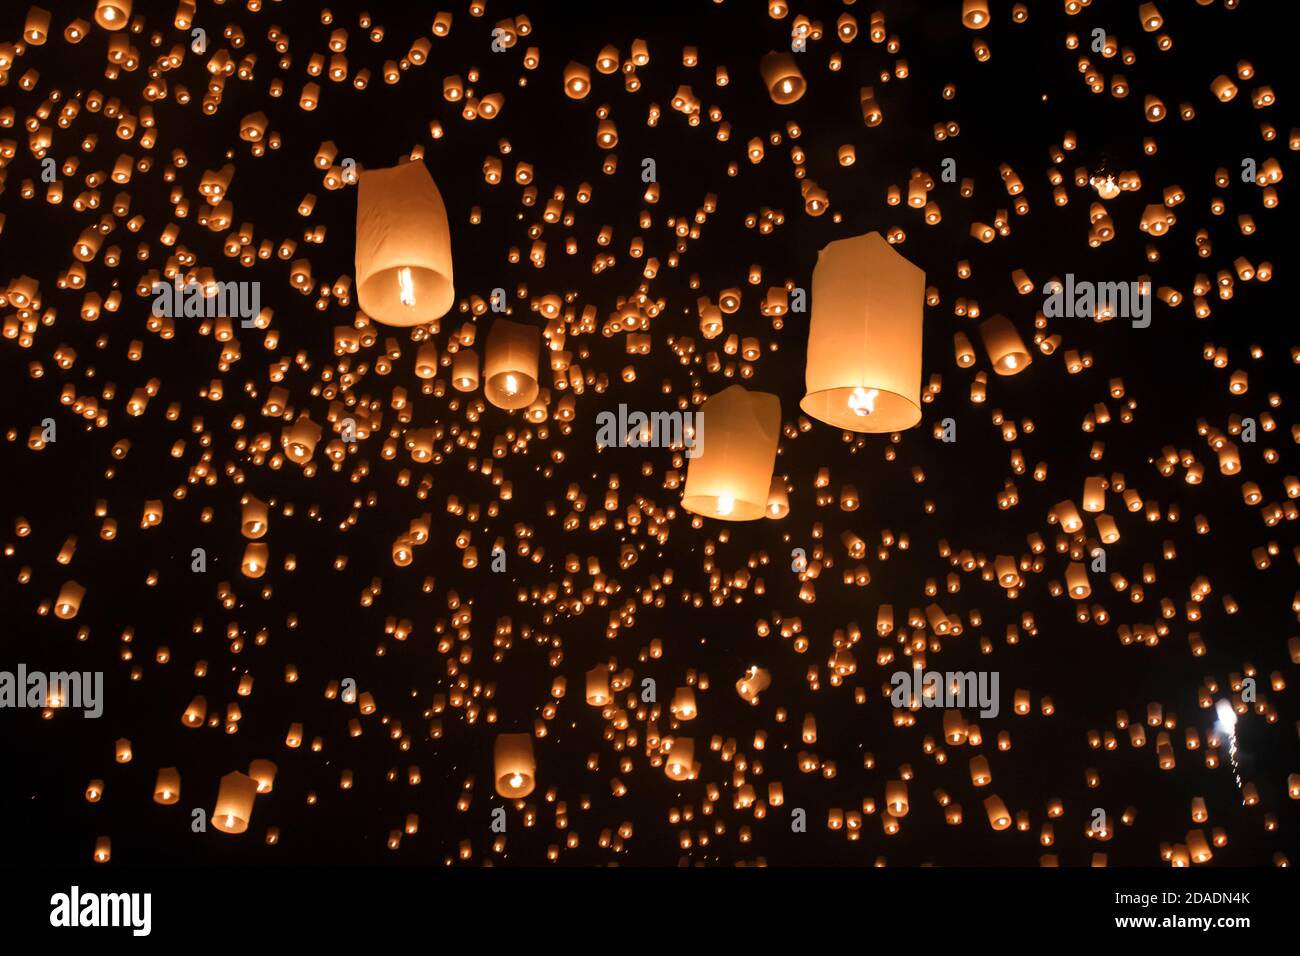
(731, 477)
(112, 14)
(864, 340)
(1006, 349)
(403, 246)
(975, 14)
(234, 803)
(678, 763)
(785, 84)
(515, 766)
(510, 365)
(167, 786)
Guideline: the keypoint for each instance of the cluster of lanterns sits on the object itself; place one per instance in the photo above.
(526, 354)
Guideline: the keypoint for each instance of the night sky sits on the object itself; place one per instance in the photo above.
(430, 643)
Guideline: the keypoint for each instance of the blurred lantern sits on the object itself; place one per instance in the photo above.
(403, 246)
(864, 340)
(731, 476)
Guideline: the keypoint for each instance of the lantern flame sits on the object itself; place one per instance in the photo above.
(863, 402)
(407, 286)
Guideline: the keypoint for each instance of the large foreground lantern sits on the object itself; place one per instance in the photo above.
(731, 476)
(403, 254)
(864, 340)
(510, 364)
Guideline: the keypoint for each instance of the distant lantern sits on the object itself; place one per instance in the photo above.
(510, 364)
(234, 803)
(732, 474)
(516, 768)
(785, 84)
(864, 339)
(403, 246)
(1006, 349)
(112, 14)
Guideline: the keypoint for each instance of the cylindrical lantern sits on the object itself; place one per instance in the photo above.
(464, 371)
(253, 517)
(234, 803)
(678, 763)
(167, 786)
(403, 246)
(516, 768)
(510, 365)
(975, 14)
(598, 686)
(785, 84)
(112, 14)
(732, 474)
(263, 774)
(864, 339)
(68, 602)
(778, 499)
(1006, 350)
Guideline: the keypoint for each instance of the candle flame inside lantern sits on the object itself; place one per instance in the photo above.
(726, 504)
(516, 779)
(512, 384)
(407, 286)
(863, 402)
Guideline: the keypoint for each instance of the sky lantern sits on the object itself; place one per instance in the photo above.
(403, 246)
(234, 803)
(514, 765)
(113, 14)
(730, 478)
(864, 340)
(785, 84)
(510, 364)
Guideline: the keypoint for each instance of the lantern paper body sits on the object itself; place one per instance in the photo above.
(510, 366)
(403, 253)
(864, 340)
(234, 803)
(1006, 349)
(785, 84)
(113, 14)
(516, 769)
(678, 763)
(730, 478)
